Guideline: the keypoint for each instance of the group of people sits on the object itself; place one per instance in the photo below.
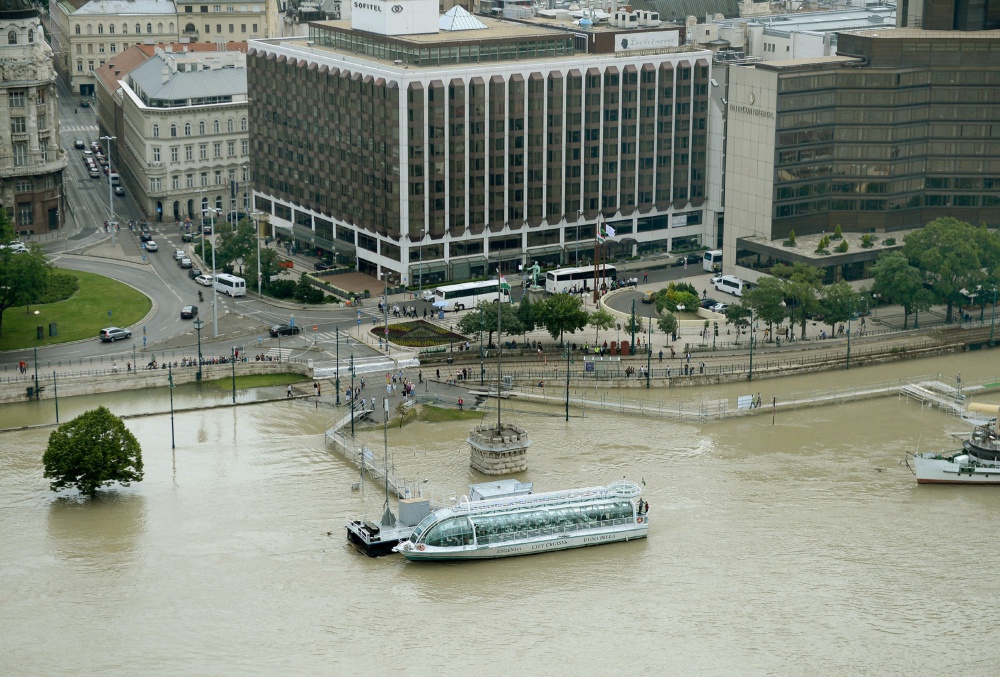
(396, 311)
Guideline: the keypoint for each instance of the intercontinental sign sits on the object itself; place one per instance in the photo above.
(750, 110)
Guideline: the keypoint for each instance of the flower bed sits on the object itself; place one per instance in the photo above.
(417, 334)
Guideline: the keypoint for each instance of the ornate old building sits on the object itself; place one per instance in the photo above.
(31, 161)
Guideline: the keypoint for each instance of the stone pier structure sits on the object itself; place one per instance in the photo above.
(499, 451)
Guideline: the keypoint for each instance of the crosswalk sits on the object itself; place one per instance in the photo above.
(279, 353)
(330, 337)
(78, 128)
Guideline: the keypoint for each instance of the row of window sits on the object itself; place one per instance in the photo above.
(190, 28)
(111, 28)
(12, 37)
(203, 9)
(202, 127)
(203, 151)
(21, 155)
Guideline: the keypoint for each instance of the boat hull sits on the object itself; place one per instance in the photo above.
(375, 542)
(526, 547)
(934, 469)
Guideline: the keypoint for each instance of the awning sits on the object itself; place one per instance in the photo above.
(428, 266)
(542, 251)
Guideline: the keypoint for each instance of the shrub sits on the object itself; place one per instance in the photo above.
(889, 241)
(824, 242)
(790, 242)
(281, 289)
(867, 241)
(837, 234)
(842, 247)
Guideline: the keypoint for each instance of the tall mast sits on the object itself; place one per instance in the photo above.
(499, 344)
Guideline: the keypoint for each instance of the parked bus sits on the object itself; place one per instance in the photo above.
(564, 279)
(230, 284)
(712, 261)
(468, 294)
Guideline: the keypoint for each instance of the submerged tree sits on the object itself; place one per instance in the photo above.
(93, 450)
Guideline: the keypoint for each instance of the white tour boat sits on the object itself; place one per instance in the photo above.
(977, 463)
(526, 525)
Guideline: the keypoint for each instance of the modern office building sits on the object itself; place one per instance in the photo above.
(31, 158)
(899, 129)
(950, 15)
(179, 115)
(424, 146)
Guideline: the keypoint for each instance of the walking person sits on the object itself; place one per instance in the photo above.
(315, 389)
(288, 393)
(461, 404)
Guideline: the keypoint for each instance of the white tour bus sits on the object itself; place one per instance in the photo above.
(230, 284)
(733, 285)
(712, 261)
(468, 294)
(564, 279)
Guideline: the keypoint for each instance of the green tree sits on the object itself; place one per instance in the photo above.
(667, 323)
(560, 313)
(842, 247)
(790, 242)
(233, 244)
(949, 253)
(837, 233)
(677, 294)
(802, 285)
(767, 300)
(635, 324)
(526, 312)
(305, 292)
(484, 318)
(840, 303)
(268, 267)
(896, 281)
(24, 277)
(601, 319)
(93, 450)
(738, 315)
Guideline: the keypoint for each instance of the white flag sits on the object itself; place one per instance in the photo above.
(610, 230)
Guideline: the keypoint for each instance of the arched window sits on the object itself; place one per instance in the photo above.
(100, 29)
(215, 126)
(90, 29)
(170, 28)
(201, 127)
(187, 129)
(31, 34)
(12, 38)
(111, 29)
(243, 124)
(125, 28)
(149, 28)
(229, 125)
(76, 29)
(138, 29)
(218, 202)
(156, 131)
(173, 130)
(159, 28)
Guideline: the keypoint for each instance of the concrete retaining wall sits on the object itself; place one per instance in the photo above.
(71, 385)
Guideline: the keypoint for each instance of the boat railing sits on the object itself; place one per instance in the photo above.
(620, 489)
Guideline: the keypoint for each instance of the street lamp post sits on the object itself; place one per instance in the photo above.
(198, 324)
(337, 373)
(215, 306)
(111, 209)
(170, 383)
(255, 216)
(385, 308)
(993, 321)
(649, 349)
(850, 313)
(750, 377)
(353, 401)
(233, 360)
(420, 270)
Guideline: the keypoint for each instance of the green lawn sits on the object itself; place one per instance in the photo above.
(255, 381)
(81, 316)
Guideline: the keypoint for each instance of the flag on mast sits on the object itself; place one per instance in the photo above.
(604, 231)
(503, 284)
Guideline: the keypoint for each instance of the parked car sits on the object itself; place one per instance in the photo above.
(204, 280)
(189, 312)
(79, 143)
(322, 265)
(193, 273)
(152, 246)
(146, 237)
(179, 254)
(719, 307)
(207, 230)
(112, 334)
(185, 263)
(284, 330)
(187, 237)
(119, 191)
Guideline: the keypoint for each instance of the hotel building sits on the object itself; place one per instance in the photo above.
(426, 146)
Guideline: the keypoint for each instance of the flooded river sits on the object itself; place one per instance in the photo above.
(789, 548)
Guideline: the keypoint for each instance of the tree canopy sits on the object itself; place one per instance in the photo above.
(484, 318)
(93, 450)
(896, 281)
(840, 303)
(802, 285)
(601, 319)
(560, 313)
(24, 276)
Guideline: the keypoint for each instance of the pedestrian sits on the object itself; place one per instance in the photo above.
(114, 367)
(315, 389)
(128, 368)
(461, 404)
(388, 389)
(319, 389)
(685, 263)
(373, 403)
(689, 357)
(420, 377)
(645, 276)
(288, 393)
(661, 356)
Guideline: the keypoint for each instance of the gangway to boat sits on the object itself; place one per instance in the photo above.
(935, 393)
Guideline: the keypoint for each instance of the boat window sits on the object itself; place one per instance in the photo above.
(450, 533)
(546, 521)
(422, 525)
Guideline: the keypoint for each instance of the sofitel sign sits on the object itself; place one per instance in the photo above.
(399, 17)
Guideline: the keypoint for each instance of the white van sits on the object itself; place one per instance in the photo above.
(114, 178)
(733, 285)
(712, 261)
(230, 284)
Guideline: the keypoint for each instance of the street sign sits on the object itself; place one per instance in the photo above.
(315, 328)
(143, 341)
(359, 321)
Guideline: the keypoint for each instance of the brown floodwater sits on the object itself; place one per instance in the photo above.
(787, 548)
